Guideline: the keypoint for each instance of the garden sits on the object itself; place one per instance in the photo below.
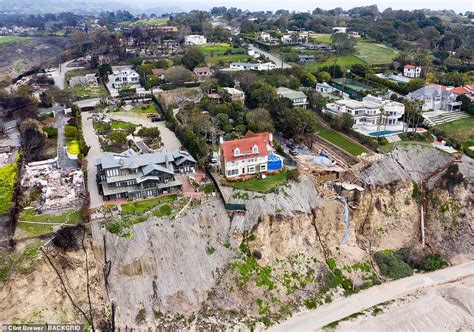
(460, 130)
(8, 176)
(260, 184)
(340, 140)
(32, 223)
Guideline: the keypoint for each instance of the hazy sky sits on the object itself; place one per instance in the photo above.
(304, 5)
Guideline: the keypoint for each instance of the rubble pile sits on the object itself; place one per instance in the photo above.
(61, 189)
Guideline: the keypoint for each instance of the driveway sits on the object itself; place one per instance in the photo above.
(344, 307)
(60, 72)
(169, 139)
(63, 160)
(276, 60)
(95, 152)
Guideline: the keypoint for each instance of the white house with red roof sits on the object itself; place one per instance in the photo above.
(412, 71)
(249, 155)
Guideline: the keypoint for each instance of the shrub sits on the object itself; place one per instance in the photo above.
(391, 265)
(293, 174)
(70, 131)
(433, 262)
(51, 131)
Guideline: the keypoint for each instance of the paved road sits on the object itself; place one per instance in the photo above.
(341, 308)
(169, 139)
(63, 160)
(60, 72)
(276, 60)
(94, 153)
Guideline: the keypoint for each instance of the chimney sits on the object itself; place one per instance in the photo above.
(221, 139)
(167, 162)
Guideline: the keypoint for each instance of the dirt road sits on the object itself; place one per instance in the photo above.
(344, 307)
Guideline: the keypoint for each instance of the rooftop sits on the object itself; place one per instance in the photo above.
(289, 93)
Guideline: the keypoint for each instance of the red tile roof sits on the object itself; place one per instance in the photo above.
(459, 90)
(410, 67)
(245, 146)
(443, 87)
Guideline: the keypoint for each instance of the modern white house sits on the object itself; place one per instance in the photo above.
(252, 66)
(328, 90)
(373, 116)
(195, 40)
(249, 155)
(412, 71)
(124, 77)
(298, 98)
(294, 38)
(339, 30)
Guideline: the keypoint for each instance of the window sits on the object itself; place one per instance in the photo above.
(231, 172)
(251, 169)
(255, 149)
(263, 168)
(236, 152)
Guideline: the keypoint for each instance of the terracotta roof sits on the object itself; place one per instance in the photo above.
(459, 90)
(410, 67)
(245, 146)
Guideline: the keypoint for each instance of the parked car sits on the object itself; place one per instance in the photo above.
(291, 146)
(155, 119)
(293, 152)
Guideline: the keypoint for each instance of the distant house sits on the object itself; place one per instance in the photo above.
(306, 58)
(436, 97)
(252, 66)
(249, 155)
(159, 72)
(326, 90)
(319, 47)
(295, 38)
(339, 30)
(202, 73)
(195, 40)
(131, 175)
(123, 77)
(298, 98)
(412, 71)
(235, 94)
(83, 80)
(265, 37)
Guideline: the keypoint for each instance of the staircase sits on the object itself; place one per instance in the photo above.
(443, 117)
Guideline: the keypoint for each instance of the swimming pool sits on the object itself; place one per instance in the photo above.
(385, 133)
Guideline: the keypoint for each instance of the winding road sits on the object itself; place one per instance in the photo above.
(316, 319)
(276, 60)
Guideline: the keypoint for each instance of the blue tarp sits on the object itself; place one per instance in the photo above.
(274, 162)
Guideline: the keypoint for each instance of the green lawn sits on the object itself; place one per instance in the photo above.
(76, 72)
(4, 40)
(461, 130)
(116, 124)
(140, 207)
(89, 91)
(150, 22)
(322, 38)
(70, 218)
(8, 175)
(345, 61)
(375, 54)
(73, 147)
(145, 108)
(227, 58)
(215, 49)
(261, 185)
(340, 140)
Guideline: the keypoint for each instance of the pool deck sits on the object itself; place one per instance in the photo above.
(371, 130)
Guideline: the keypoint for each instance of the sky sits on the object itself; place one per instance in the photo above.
(305, 5)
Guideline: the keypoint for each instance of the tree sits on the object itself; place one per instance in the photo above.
(360, 69)
(467, 105)
(103, 72)
(224, 79)
(343, 121)
(316, 100)
(118, 137)
(343, 43)
(178, 75)
(33, 138)
(262, 96)
(192, 58)
(46, 100)
(301, 121)
(260, 119)
(324, 76)
(70, 132)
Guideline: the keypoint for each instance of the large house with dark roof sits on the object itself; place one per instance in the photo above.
(249, 155)
(131, 175)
